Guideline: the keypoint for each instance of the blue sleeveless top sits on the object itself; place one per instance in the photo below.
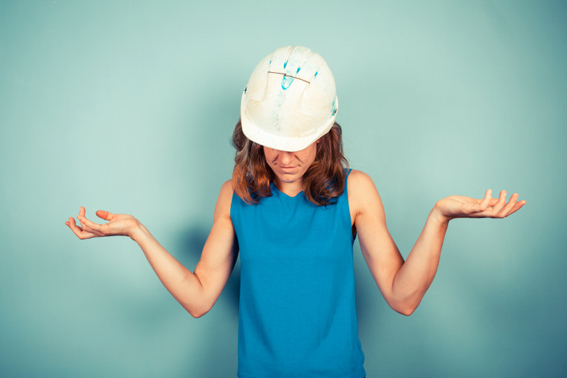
(297, 312)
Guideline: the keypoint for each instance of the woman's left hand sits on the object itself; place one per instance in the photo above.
(466, 207)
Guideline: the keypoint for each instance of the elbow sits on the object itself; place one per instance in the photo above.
(406, 311)
(196, 314)
(407, 304)
(197, 311)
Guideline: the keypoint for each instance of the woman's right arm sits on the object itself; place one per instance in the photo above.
(197, 292)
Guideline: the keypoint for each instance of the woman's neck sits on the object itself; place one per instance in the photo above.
(289, 188)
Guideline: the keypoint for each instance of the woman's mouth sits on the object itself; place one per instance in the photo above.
(286, 168)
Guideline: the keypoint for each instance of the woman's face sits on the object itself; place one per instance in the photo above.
(289, 167)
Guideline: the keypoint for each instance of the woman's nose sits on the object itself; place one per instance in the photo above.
(286, 157)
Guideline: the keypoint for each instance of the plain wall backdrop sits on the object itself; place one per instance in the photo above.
(129, 106)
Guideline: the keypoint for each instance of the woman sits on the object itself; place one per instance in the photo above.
(292, 212)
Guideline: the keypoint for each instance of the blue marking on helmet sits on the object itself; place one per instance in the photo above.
(286, 81)
(245, 90)
(316, 73)
(298, 68)
(285, 64)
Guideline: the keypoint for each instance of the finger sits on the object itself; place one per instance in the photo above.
(85, 223)
(82, 220)
(517, 207)
(71, 223)
(487, 211)
(81, 234)
(500, 204)
(74, 226)
(486, 201)
(508, 207)
(104, 215)
(89, 224)
(82, 213)
(492, 203)
(476, 210)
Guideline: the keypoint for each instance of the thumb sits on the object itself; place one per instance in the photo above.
(104, 215)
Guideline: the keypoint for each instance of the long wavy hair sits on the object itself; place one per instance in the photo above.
(323, 181)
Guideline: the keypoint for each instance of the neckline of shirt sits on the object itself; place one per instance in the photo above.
(274, 187)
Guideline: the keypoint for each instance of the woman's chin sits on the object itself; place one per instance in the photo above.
(289, 178)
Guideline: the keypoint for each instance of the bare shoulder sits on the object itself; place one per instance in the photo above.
(360, 185)
(224, 201)
(226, 188)
(357, 178)
(362, 193)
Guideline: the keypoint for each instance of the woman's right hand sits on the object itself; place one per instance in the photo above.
(118, 224)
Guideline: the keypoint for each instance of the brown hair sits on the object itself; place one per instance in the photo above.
(323, 181)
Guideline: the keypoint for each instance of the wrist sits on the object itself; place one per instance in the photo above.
(437, 215)
(137, 232)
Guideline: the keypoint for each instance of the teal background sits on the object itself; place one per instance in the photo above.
(129, 107)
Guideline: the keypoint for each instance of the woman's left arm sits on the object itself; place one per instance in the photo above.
(403, 284)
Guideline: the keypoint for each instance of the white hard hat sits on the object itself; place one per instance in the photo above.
(290, 100)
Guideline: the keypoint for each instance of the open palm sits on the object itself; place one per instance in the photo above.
(118, 224)
(466, 207)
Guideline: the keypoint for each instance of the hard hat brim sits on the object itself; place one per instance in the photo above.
(283, 143)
